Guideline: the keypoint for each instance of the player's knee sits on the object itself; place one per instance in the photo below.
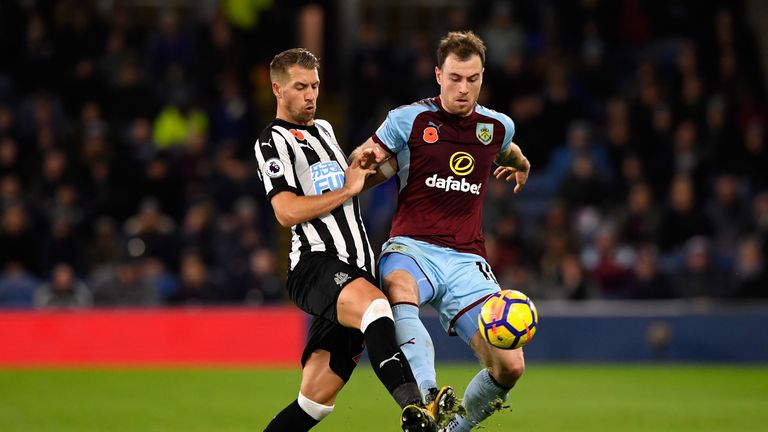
(509, 371)
(317, 411)
(400, 286)
(378, 308)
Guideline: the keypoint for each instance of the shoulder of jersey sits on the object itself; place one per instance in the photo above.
(325, 127)
(427, 104)
(492, 113)
(266, 133)
(495, 114)
(325, 124)
(409, 112)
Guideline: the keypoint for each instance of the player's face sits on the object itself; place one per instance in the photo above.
(297, 96)
(460, 83)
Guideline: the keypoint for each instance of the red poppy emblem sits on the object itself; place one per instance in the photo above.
(430, 135)
(299, 135)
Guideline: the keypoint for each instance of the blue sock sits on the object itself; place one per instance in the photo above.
(480, 393)
(416, 344)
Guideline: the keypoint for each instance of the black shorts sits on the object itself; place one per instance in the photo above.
(314, 286)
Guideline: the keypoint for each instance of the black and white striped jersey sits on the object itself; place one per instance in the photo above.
(307, 160)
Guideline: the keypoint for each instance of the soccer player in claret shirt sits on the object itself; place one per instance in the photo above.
(443, 149)
(313, 191)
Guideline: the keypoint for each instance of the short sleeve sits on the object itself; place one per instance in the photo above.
(275, 163)
(394, 132)
(509, 132)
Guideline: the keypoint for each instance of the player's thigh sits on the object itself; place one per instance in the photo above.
(506, 366)
(319, 383)
(354, 300)
(403, 280)
(318, 281)
(470, 284)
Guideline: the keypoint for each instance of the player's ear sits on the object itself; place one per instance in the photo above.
(438, 74)
(276, 89)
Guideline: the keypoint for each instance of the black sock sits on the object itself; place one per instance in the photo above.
(389, 362)
(291, 419)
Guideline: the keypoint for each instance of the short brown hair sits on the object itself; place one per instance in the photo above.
(462, 44)
(278, 67)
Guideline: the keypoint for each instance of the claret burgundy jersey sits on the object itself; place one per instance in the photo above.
(444, 164)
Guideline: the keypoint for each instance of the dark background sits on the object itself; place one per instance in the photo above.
(126, 133)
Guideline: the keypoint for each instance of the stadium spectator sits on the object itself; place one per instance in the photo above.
(122, 284)
(152, 233)
(105, 245)
(196, 284)
(569, 281)
(11, 190)
(647, 281)
(751, 271)
(237, 234)
(729, 214)
(608, 263)
(579, 143)
(197, 230)
(638, 219)
(20, 241)
(681, 219)
(17, 286)
(263, 285)
(701, 276)
(755, 157)
(63, 290)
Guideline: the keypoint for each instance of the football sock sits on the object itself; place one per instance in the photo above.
(389, 363)
(416, 344)
(482, 394)
(291, 418)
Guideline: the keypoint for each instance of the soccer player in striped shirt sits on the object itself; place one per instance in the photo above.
(331, 276)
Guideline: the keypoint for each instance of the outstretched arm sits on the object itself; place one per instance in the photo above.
(513, 165)
(378, 159)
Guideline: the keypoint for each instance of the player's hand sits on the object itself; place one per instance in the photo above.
(368, 158)
(520, 175)
(354, 178)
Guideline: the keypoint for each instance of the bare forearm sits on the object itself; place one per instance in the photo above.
(291, 209)
(384, 171)
(512, 157)
(383, 164)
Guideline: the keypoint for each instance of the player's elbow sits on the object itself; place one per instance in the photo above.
(286, 209)
(285, 219)
(285, 214)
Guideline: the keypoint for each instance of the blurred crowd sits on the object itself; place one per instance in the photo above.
(127, 177)
(645, 122)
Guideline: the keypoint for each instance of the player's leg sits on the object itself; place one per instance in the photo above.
(408, 286)
(489, 388)
(345, 295)
(471, 282)
(403, 282)
(363, 306)
(328, 360)
(319, 388)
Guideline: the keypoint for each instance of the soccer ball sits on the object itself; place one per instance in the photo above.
(508, 319)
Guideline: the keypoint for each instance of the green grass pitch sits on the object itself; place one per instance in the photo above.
(571, 398)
